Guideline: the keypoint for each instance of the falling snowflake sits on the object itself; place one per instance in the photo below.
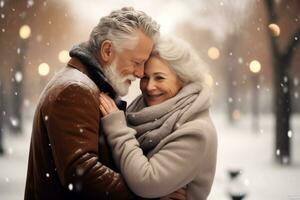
(296, 95)
(240, 60)
(296, 81)
(14, 121)
(79, 171)
(296, 38)
(47, 175)
(285, 79)
(26, 103)
(278, 152)
(2, 16)
(18, 51)
(46, 118)
(290, 134)
(30, 3)
(10, 151)
(261, 131)
(230, 100)
(70, 186)
(285, 159)
(2, 4)
(18, 76)
(39, 38)
(281, 85)
(81, 130)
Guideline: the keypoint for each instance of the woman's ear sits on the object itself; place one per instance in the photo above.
(106, 51)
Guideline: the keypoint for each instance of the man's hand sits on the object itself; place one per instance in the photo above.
(177, 195)
(107, 105)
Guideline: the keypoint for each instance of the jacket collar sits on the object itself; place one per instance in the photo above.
(75, 63)
(104, 87)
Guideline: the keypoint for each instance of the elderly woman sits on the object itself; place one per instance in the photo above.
(167, 140)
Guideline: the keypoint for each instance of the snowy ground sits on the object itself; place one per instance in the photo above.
(239, 147)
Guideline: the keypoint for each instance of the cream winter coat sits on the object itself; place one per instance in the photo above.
(184, 158)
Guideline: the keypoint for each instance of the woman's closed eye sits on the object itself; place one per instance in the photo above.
(159, 78)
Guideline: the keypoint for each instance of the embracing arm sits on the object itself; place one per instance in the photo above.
(172, 167)
(72, 123)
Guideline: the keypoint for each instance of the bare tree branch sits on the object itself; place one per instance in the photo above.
(272, 19)
(294, 41)
(271, 11)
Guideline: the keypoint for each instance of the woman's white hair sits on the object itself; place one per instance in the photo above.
(120, 27)
(182, 58)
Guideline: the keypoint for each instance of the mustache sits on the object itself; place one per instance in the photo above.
(128, 77)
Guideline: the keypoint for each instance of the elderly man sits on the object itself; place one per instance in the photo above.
(69, 156)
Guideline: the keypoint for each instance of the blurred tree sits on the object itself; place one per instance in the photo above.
(51, 30)
(277, 12)
(1, 116)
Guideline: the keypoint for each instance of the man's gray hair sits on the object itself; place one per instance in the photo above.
(182, 58)
(120, 28)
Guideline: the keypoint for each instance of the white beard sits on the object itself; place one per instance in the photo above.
(116, 80)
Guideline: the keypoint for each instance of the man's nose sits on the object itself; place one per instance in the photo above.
(139, 71)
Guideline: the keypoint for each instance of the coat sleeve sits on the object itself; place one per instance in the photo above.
(171, 168)
(72, 123)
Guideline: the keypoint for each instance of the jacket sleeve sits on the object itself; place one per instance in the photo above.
(72, 123)
(171, 168)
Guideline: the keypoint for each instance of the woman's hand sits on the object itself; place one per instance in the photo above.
(177, 195)
(107, 105)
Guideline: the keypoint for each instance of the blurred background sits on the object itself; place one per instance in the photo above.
(253, 53)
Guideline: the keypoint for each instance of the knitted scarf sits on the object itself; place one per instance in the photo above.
(154, 123)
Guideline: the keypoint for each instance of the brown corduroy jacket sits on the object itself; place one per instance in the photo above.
(69, 157)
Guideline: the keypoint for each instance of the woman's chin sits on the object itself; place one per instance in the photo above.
(153, 102)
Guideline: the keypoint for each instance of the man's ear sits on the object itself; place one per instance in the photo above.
(106, 51)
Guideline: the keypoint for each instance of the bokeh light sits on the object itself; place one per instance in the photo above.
(255, 66)
(44, 69)
(25, 32)
(213, 53)
(63, 56)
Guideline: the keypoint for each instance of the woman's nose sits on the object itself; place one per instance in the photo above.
(151, 85)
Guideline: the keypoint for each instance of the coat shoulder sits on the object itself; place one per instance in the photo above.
(71, 76)
(67, 81)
